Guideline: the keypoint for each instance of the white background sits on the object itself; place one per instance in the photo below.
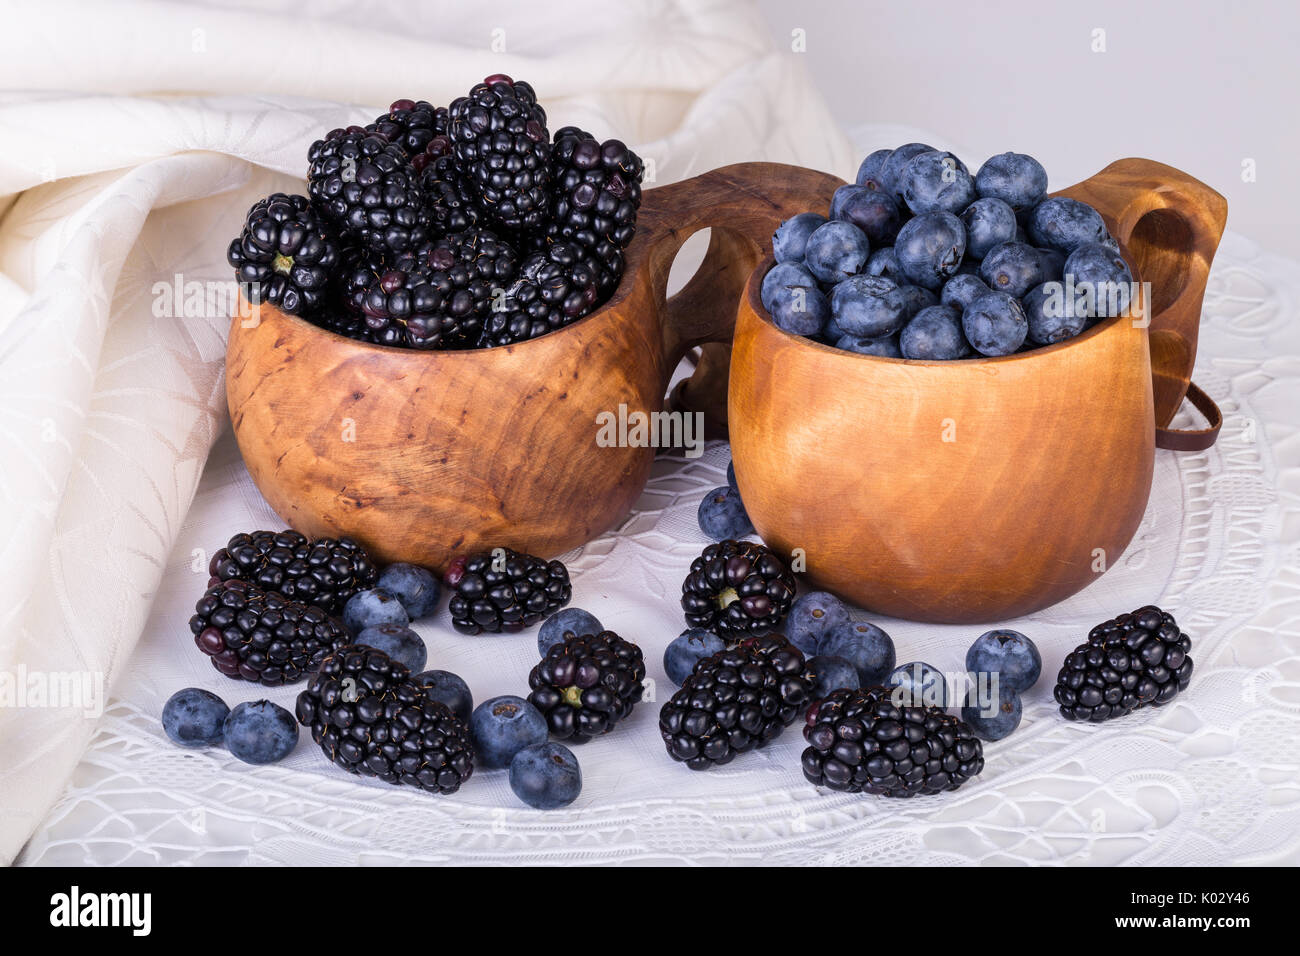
(1198, 85)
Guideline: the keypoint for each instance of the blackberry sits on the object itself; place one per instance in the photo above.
(595, 195)
(555, 287)
(860, 741)
(367, 187)
(499, 139)
(439, 296)
(372, 719)
(586, 684)
(325, 572)
(449, 201)
(285, 254)
(737, 589)
(411, 125)
(259, 635)
(502, 590)
(1129, 662)
(736, 700)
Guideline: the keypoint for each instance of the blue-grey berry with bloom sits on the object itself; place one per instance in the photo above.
(874, 212)
(371, 608)
(995, 324)
(260, 732)
(546, 776)
(832, 674)
(194, 717)
(864, 645)
(1009, 654)
(930, 248)
(449, 689)
(989, 223)
(503, 726)
(1051, 314)
(688, 649)
(920, 685)
(722, 515)
(1012, 267)
(836, 251)
(937, 181)
(791, 237)
(1002, 722)
(871, 168)
(1065, 224)
(416, 587)
(934, 335)
(399, 642)
(813, 616)
(1017, 179)
(884, 347)
(571, 620)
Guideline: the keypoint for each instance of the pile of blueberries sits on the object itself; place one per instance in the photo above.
(919, 259)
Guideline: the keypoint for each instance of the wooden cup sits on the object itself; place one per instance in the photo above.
(421, 456)
(978, 490)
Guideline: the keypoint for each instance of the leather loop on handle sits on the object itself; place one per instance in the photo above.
(741, 205)
(1199, 439)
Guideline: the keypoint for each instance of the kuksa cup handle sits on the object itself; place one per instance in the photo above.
(1170, 223)
(741, 205)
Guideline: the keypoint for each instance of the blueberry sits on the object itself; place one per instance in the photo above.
(869, 172)
(722, 515)
(792, 235)
(371, 608)
(963, 289)
(194, 717)
(800, 310)
(920, 684)
(546, 776)
(884, 262)
(1065, 224)
(836, 251)
(930, 247)
(450, 689)
(884, 347)
(1052, 263)
(989, 222)
(865, 646)
(1018, 180)
(1102, 280)
(832, 673)
(399, 642)
(1051, 314)
(811, 618)
(995, 324)
(869, 306)
(1009, 654)
(571, 620)
(731, 477)
(872, 211)
(936, 181)
(915, 299)
(414, 586)
(1003, 721)
(503, 726)
(1012, 267)
(261, 732)
(891, 168)
(935, 335)
(783, 277)
(687, 649)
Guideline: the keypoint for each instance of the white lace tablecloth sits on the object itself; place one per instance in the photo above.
(1212, 779)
